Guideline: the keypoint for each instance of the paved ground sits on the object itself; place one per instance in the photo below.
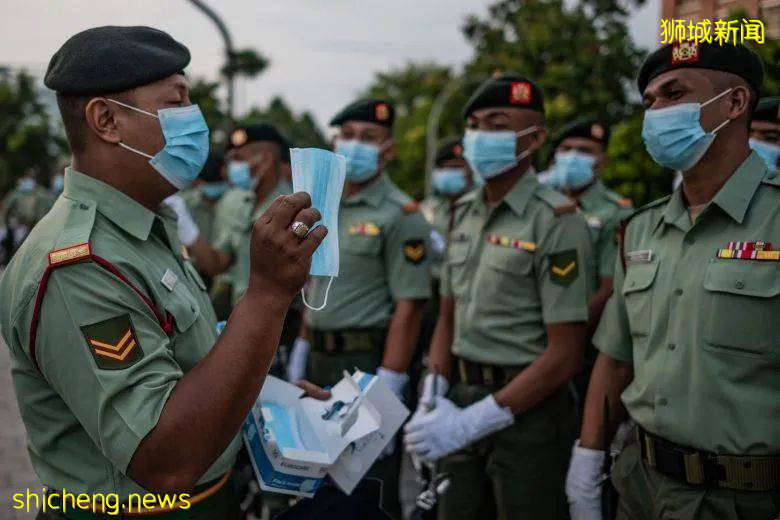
(16, 475)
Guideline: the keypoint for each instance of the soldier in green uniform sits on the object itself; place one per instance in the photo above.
(123, 385)
(580, 152)
(203, 197)
(24, 206)
(512, 324)
(765, 131)
(372, 319)
(687, 341)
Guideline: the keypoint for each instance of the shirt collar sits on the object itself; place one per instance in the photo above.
(518, 197)
(120, 209)
(733, 198)
(591, 196)
(371, 194)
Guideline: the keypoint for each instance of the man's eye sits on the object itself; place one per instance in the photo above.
(675, 94)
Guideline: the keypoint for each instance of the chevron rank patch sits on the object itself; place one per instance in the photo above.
(414, 250)
(113, 343)
(564, 268)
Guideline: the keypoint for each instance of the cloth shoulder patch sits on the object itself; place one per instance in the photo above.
(554, 199)
(410, 207)
(414, 250)
(113, 343)
(564, 268)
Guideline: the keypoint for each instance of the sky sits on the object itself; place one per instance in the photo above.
(322, 52)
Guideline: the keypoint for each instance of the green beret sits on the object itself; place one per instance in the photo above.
(110, 59)
(213, 167)
(587, 127)
(377, 111)
(506, 91)
(736, 59)
(451, 148)
(242, 135)
(768, 109)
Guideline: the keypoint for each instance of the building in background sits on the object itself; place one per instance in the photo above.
(697, 10)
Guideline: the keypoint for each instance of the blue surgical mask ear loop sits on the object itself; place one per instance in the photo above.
(327, 290)
(123, 145)
(724, 123)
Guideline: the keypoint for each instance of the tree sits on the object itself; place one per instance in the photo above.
(27, 137)
(301, 130)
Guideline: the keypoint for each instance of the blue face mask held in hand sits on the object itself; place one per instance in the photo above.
(186, 143)
(321, 174)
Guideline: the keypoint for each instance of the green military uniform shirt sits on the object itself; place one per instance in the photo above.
(238, 211)
(203, 212)
(604, 210)
(106, 366)
(382, 258)
(699, 327)
(513, 269)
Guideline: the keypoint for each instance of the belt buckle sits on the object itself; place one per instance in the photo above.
(694, 467)
(487, 376)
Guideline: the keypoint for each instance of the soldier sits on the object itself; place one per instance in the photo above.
(122, 382)
(688, 337)
(765, 131)
(203, 197)
(373, 319)
(512, 324)
(580, 153)
(24, 206)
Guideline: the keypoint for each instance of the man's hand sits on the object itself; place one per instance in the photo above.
(428, 397)
(313, 390)
(186, 227)
(448, 428)
(583, 483)
(279, 260)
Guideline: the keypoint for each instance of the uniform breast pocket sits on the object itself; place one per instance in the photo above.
(637, 292)
(457, 253)
(363, 245)
(507, 277)
(183, 306)
(742, 304)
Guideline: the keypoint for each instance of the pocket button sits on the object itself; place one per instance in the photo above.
(740, 284)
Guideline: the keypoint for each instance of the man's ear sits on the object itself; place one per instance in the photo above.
(602, 161)
(537, 139)
(739, 101)
(101, 120)
(389, 153)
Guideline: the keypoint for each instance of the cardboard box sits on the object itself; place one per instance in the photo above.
(294, 442)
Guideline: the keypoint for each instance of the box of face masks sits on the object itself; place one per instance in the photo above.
(294, 442)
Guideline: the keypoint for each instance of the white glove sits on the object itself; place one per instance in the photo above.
(583, 483)
(185, 225)
(296, 363)
(448, 428)
(427, 398)
(396, 381)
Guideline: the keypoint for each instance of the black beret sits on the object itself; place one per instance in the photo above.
(451, 148)
(728, 57)
(242, 135)
(109, 59)
(768, 109)
(587, 127)
(506, 91)
(378, 111)
(212, 169)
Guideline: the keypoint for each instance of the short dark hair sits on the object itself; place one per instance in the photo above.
(73, 119)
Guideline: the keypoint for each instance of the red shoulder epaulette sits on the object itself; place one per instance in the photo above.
(564, 208)
(410, 207)
(73, 255)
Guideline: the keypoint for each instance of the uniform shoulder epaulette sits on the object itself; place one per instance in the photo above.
(559, 203)
(410, 207)
(649, 205)
(620, 201)
(771, 178)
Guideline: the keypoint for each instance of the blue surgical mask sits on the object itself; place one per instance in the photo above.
(491, 153)
(362, 159)
(551, 178)
(57, 183)
(26, 184)
(674, 137)
(321, 174)
(573, 169)
(449, 181)
(240, 175)
(186, 143)
(768, 152)
(213, 190)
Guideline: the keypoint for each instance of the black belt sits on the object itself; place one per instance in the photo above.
(696, 467)
(348, 340)
(488, 376)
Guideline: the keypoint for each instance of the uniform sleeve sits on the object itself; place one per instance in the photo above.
(613, 336)
(606, 249)
(103, 351)
(564, 269)
(407, 256)
(445, 288)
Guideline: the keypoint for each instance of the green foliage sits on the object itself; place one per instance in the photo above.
(27, 139)
(301, 130)
(245, 62)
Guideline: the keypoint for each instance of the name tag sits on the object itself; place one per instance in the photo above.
(169, 279)
(644, 256)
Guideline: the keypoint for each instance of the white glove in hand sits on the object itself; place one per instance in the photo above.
(583, 483)
(296, 363)
(427, 398)
(396, 381)
(448, 428)
(185, 226)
